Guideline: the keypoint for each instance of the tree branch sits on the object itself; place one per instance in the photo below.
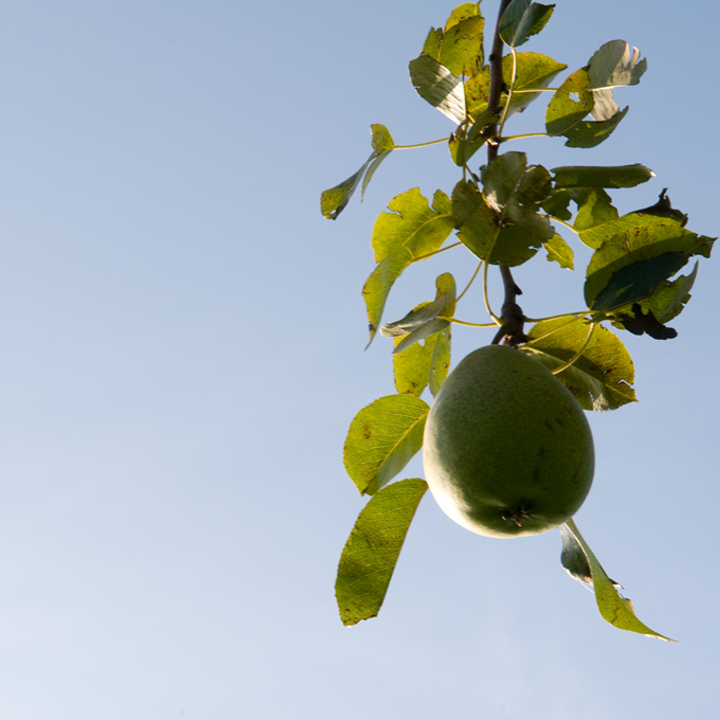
(512, 316)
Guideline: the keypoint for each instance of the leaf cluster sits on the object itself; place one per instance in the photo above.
(504, 213)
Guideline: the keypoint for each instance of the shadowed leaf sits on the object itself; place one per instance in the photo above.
(613, 607)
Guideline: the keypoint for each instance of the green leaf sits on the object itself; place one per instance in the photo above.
(563, 111)
(601, 378)
(637, 281)
(630, 264)
(589, 134)
(668, 301)
(369, 557)
(559, 251)
(459, 47)
(440, 361)
(464, 144)
(334, 200)
(614, 608)
(532, 72)
(382, 439)
(521, 20)
(597, 220)
(423, 320)
(436, 84)
(422, 364)
(619, 176)
(401, 237)
(501, 225)
(613, 65)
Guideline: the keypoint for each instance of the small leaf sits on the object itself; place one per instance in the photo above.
(436, 84)
(613, 65)
(334, 200)
(382, 439)
(381, 138)
(614, 608)
(412, 230)
(619, 176)
(559, 251)
(422, 321)
(521, 20)
(601, 378)
(369, 557)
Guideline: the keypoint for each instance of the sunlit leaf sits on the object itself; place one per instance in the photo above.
(521, 20)
(436, 84)
(559, 251)
(382, 439)
(618, 176)
(532, 72)
(601, 378)
(369, 557)
(613, 607)
(423, 364)
(334, 200)
(564, 111)
(413, 229)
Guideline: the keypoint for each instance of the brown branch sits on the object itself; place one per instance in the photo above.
(511, 316)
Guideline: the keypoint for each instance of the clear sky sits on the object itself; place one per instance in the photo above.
(181, 353)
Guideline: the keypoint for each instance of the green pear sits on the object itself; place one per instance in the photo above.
(507, 449)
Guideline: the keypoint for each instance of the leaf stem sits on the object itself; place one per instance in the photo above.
(470, 282)
(419, 145)
(577, 355)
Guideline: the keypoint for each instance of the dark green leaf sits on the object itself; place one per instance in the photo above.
(589, 133)
(369, 557)
(637, 281)
(619, 176)
(667, 301)
(601, 378)
(521, 20)
(597, 221)
(382, 439)
(401, 237)
(640, 245)
(614, 608)
(436, 84)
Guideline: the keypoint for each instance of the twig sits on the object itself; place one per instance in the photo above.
(511, 317)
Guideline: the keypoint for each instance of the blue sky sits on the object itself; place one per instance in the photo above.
(181, 353)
